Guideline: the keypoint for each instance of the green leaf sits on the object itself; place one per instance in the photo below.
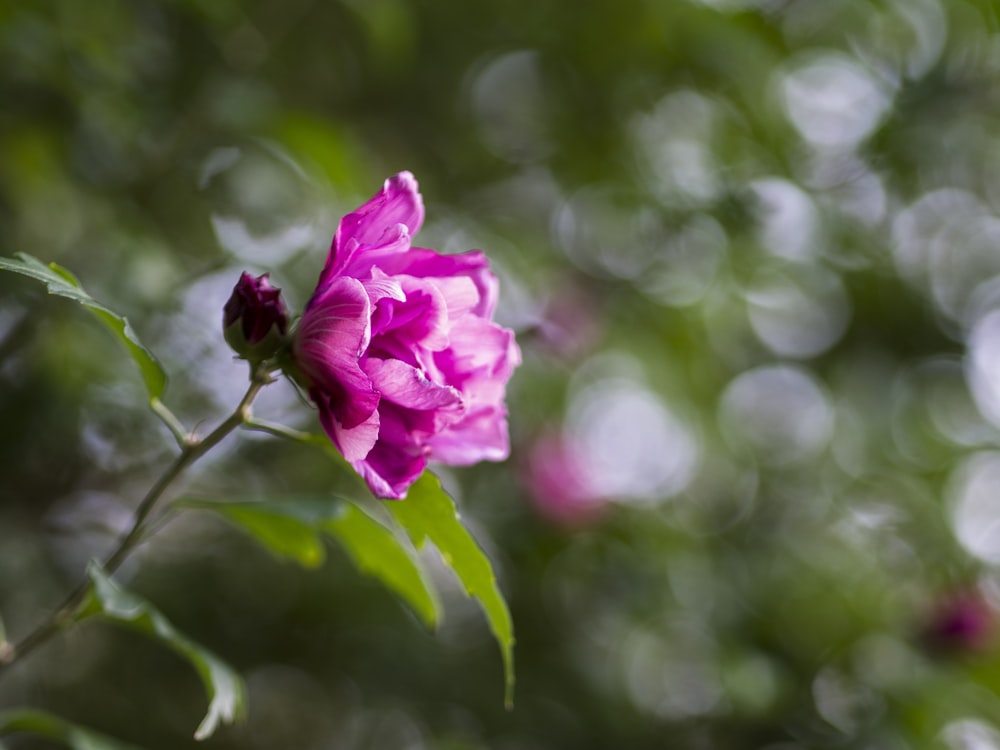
(293, 528)
(380, 553)
(429, 514)
(225, 688)
(287, 532)
(45, 724)
(63, 283)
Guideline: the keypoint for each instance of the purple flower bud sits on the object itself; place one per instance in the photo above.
(961, 622)
(255, 319)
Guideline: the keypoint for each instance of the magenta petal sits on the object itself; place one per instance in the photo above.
(421, 320)
(332, 334)
(389, 472)
(480, 436)
(380, 287)
(460, 294)
(398, 202)
(382, 226)
(473, 265)
(480, 361)
(354, 443)
(397, 349)
(352, 258)
(409, 387)
(396, 461)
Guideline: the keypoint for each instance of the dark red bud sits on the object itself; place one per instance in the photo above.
(255, 319)
(961, 622)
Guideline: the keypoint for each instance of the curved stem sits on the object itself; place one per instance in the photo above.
(191, 451)
(280, 430)
(171, 421)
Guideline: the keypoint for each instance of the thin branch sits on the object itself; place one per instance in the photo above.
(282, 431)
(181, 435)
(192, 449)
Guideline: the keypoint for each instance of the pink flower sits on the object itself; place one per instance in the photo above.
(569, 325)
(398, 350)
(560, 482)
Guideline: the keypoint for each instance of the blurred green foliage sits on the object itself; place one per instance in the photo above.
(752, 251)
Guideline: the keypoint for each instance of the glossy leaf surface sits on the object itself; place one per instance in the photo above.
(61, 282)
(224, 686)
(43, 724)
(294, 529)
(429, 515)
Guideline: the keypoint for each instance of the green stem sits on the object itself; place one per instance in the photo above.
(173, 424)
(280, 430)
(191, 450)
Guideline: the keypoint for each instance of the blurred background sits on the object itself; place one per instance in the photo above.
(752, 252)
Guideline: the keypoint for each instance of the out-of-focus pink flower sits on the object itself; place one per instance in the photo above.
(569, 325)
(560, 483)
(254, 319)
(398, 351)
(962, 621)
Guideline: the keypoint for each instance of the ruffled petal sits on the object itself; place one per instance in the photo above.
(332, 335)
(382, 226)
(460, 294)
(389, 472)
(472, 265)
(480, 360)
(397, 349)
(354, 443)
(380, 287)
(409, 387)
(421, 320)
(396, 461)
(479, 436)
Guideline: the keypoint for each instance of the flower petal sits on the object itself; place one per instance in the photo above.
(480, 360)
(473, 265)
(479, 363)
(397, 349)
(354, 443)
(380, 287)
(396, 461)
(389, 472)
(409, 387)
(333, 333)
(480, 436)
(382, 226)
(421, 320)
